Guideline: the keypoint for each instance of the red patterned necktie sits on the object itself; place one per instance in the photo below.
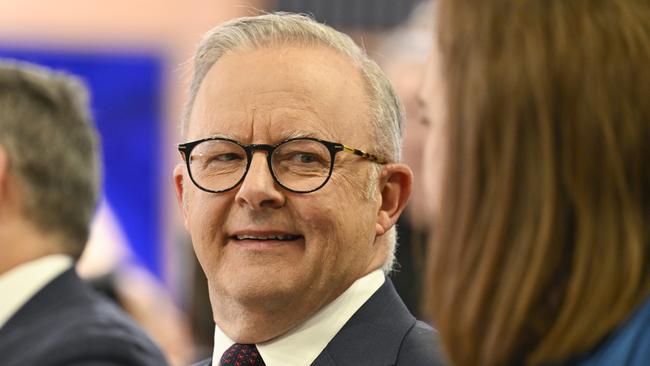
(242, 355)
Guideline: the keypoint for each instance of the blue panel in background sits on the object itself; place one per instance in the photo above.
(126, 95)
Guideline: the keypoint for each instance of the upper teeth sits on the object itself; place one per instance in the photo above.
(265, 237)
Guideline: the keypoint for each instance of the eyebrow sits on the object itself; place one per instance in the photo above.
(291, 135)
(223, 136)
(300, 134)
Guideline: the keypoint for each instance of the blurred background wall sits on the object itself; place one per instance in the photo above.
(134, 56)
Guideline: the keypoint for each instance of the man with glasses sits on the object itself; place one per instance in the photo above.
(49, 187)
(290, 186)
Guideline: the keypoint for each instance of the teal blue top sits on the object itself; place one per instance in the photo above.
(629, 344)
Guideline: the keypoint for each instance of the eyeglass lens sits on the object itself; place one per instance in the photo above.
(299, 165)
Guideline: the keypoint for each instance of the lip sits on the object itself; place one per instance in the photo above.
(264, 238)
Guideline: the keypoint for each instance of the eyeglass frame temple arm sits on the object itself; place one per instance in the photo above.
(363, 154)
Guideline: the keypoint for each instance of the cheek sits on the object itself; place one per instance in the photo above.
(335, 223)
(319, 218)
(205, 220)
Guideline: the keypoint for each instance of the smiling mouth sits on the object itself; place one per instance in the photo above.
(266, 242)
(286, 237)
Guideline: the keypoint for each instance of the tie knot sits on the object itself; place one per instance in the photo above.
(242, 355)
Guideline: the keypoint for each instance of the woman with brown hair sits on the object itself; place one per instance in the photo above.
(540, 144)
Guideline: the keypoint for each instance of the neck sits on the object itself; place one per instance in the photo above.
(255, 320)
(252, 327)
(21, 242)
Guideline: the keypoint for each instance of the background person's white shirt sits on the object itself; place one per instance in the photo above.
(302, 345)
(20, 283)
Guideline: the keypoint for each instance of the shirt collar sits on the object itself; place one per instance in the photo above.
(22, 282)
(302, 344)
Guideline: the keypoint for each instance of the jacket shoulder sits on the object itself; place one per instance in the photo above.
(67, 323)
(420, 346)
(382, 332)
(104, 333)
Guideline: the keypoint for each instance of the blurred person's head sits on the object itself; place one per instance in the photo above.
(543, 113)
(49, 170)
(403, 56)
(291, 182)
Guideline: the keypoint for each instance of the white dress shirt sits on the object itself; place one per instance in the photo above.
(302, 345)
(20, 283)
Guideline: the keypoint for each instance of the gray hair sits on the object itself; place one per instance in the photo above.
(293, 29)
(46, 129)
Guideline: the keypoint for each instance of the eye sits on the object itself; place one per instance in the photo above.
(305, 158)
(301, 155)
(227, 157)
(218, 160)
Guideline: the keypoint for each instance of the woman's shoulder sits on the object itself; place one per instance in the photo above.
(627, 345)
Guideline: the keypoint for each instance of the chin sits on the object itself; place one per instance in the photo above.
(267, 291)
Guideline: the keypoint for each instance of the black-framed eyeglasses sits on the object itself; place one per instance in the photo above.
(300, 165)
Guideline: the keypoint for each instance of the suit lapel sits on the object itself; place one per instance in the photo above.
(324, 359)
(374, 333)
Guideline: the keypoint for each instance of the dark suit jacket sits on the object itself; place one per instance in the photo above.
(67, 323)
(381, 333)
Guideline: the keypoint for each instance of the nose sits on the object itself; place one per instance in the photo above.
(259, 190)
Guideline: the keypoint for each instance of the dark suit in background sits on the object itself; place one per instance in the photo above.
(67, 323)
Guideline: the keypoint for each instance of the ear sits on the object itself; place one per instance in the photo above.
(179, 188)
(395, 183)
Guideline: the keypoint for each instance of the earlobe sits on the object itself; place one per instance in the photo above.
(396, 181)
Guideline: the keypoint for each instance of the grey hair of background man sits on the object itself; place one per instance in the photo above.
(51, 143)
(278, 29)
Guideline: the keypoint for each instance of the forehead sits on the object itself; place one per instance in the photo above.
(278, 92)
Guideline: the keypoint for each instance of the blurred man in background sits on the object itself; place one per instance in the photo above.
(290, 188)
(49, 187)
